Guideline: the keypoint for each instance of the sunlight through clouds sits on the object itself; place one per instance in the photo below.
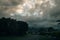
(37, 5)
(33, 11)
(27, 8)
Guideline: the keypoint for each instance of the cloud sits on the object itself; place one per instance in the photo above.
(10, 2)
(8, 6)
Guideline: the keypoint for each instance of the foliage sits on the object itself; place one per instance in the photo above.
(12, 27)
(50, 32)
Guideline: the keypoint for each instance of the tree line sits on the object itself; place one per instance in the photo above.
(12, 27)
(51, 31)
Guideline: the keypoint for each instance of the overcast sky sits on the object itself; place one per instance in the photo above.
(36, 12)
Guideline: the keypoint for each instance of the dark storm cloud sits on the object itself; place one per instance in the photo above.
(6, 5)
(10, 2)
(55, 12)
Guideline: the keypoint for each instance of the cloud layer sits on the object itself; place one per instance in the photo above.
(8, 8)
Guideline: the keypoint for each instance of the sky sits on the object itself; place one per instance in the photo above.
(38, 13)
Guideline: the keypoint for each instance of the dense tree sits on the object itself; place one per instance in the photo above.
(51, 29)
(42, 31)
(12, 27)
(51, 32)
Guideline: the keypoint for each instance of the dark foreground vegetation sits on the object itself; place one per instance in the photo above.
(11, 27)
(51, 32)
